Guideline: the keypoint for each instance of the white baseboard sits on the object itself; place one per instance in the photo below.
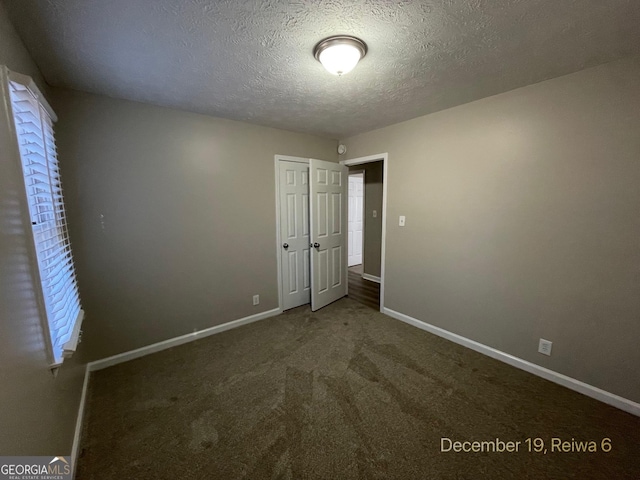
(149, 349)
(371, 278)
(568, 382)
(174, 342)
(79, 419)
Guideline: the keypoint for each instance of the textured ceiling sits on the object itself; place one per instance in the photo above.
(252, 60)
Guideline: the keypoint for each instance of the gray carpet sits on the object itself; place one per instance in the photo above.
(343, 393)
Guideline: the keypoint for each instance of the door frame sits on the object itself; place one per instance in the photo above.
(277, 159)
(384, 158)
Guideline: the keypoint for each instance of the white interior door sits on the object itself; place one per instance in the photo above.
(328, 215)
(356, 206)
(294, 233)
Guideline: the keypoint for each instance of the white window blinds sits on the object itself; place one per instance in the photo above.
(34, 131)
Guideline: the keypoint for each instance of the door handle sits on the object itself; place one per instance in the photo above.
(316, 245)
(285, 245)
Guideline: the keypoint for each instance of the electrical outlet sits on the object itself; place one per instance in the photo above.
(375, 214)
(256, 299)
(544, 347)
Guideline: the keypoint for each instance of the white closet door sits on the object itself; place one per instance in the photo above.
(294, 233)
(328, 215)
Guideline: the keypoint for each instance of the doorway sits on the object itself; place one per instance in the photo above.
(365, 232)
(311, 218)
(368, 285)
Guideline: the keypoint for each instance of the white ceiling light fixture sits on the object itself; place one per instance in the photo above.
(340, 54)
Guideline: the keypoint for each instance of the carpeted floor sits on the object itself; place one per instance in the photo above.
(343, 393)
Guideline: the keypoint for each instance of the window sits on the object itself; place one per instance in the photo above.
(33, 119)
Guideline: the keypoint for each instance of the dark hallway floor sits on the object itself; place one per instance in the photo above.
(363, 291)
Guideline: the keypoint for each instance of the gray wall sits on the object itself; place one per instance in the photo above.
(373, 183)
(14, 54)
(523, 220)
(37, 411)
(172, 217)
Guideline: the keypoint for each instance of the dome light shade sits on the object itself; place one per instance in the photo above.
(340, 54)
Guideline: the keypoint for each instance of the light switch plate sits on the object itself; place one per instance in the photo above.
(375, 214)
(402, 220)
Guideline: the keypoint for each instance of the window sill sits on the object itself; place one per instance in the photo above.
(69, 348)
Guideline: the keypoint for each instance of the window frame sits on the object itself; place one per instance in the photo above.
(14, 154)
